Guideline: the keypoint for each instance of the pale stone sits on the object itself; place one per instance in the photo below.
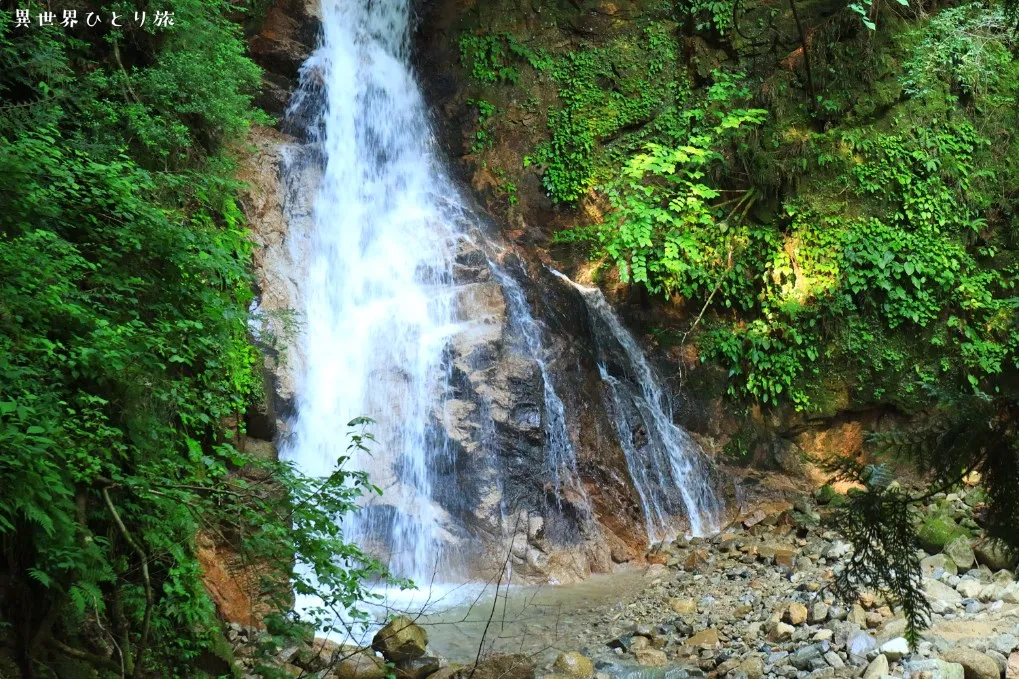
(960, 551)
(969, 589)
(574, 665)
(781, 632)
(976, 664)
(795, 614)
(857, 615)
(1012, 669)
(683, 606)
(936, 669)
(752, 667)
(877, 668)
(895, 648)
(707, 638)
(935, 566)
(940, 591)
(650, 657)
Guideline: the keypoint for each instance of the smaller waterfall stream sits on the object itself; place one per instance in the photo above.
(667, 466)
(560, 455)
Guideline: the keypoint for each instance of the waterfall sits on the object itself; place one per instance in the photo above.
(668, 468)
(377, 240)
(560, 456)
(377, 293)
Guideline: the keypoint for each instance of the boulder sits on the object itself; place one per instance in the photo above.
(937, 669)
(895, 649)
(877, 668)
(969, 588)
(937, 531)
(935, 566)
(707, 638)
(995, 555)
(795, 614)
(818, 613)
(781, 632)
(860, 644)
(752, 667)
(976, 665)
(502, 666)
(418, 668)
(940, 592)
(651, 657)
(1005, 643)
(401, 639)
(1012, 668)
(359, 664)
(960, 551)
(574, 665)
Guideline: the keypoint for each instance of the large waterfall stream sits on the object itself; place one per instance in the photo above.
(378, 306)
(378, 295)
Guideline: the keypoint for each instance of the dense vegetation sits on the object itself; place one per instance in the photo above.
(125, 358)
(829, 191)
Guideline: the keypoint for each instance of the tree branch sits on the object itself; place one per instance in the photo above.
(149, 599)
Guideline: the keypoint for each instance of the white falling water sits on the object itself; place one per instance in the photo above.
(667, 467)
(560, 455)
(377, 295)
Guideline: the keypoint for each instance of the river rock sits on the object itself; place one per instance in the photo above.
(895, 649)
(503, 666)
(877, 668)
(795, 614)
(401, 639)
(857, 615)
(418, 668)
(833, 659)
(752, 667)
(652, 657)
(960, 551)
(941, 592)
(995, 555)
(574, 665)
(359, 664)
(969, 588)
(860, 644)
(707, 638)
(937, 669)
(781, 632)
(803, 656)
(977, 665)
(1005, 643)
(1012, 669)
(935, 566)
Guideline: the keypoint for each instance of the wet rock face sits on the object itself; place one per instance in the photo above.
(497, 419)
(286, 38)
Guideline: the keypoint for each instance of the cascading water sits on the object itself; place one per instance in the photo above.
(667, 466)
(560, 455)
(377, 294)
(377, 254)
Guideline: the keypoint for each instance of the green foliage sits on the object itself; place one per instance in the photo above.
(483, 136)
(125, 355)
(963, 51)
(711, 15)
(878, 522)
